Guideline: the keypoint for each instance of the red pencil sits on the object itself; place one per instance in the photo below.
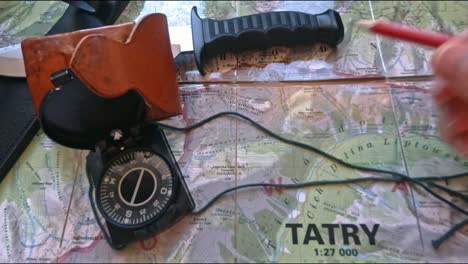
(406, 33)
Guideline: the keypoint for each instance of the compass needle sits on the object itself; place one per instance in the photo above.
(137, 187)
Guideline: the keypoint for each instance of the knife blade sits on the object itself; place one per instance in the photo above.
(12, 63)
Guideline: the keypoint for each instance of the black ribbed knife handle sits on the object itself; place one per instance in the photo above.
(211, 37)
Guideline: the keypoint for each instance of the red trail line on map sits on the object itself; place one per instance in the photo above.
(78, 249)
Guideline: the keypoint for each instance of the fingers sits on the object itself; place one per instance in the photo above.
(461, 145)
(449, 59)
(450, 65)
(454, 125)
(439, 57)
(456, 117)
(442, 94)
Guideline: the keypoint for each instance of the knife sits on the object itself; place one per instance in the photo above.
(259, 31)
(213, 37)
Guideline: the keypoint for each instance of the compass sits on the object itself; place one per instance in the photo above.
(136, 188)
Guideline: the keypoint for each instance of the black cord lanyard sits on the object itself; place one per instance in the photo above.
(423, 182)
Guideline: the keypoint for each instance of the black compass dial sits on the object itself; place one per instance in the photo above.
(135, 188)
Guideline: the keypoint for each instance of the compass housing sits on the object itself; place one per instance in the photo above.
(165, 200)
(136, 188)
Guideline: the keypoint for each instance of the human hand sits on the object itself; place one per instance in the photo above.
(450, 66)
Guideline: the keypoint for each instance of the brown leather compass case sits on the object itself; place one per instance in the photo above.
(86, 83)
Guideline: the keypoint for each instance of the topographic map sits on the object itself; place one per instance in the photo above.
(351, 102)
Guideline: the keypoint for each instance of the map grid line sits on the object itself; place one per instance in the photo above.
(78, 167)
(397, 130)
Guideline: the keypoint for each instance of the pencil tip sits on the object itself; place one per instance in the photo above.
(365, 24)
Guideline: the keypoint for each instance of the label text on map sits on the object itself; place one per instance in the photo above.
(351, 233)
